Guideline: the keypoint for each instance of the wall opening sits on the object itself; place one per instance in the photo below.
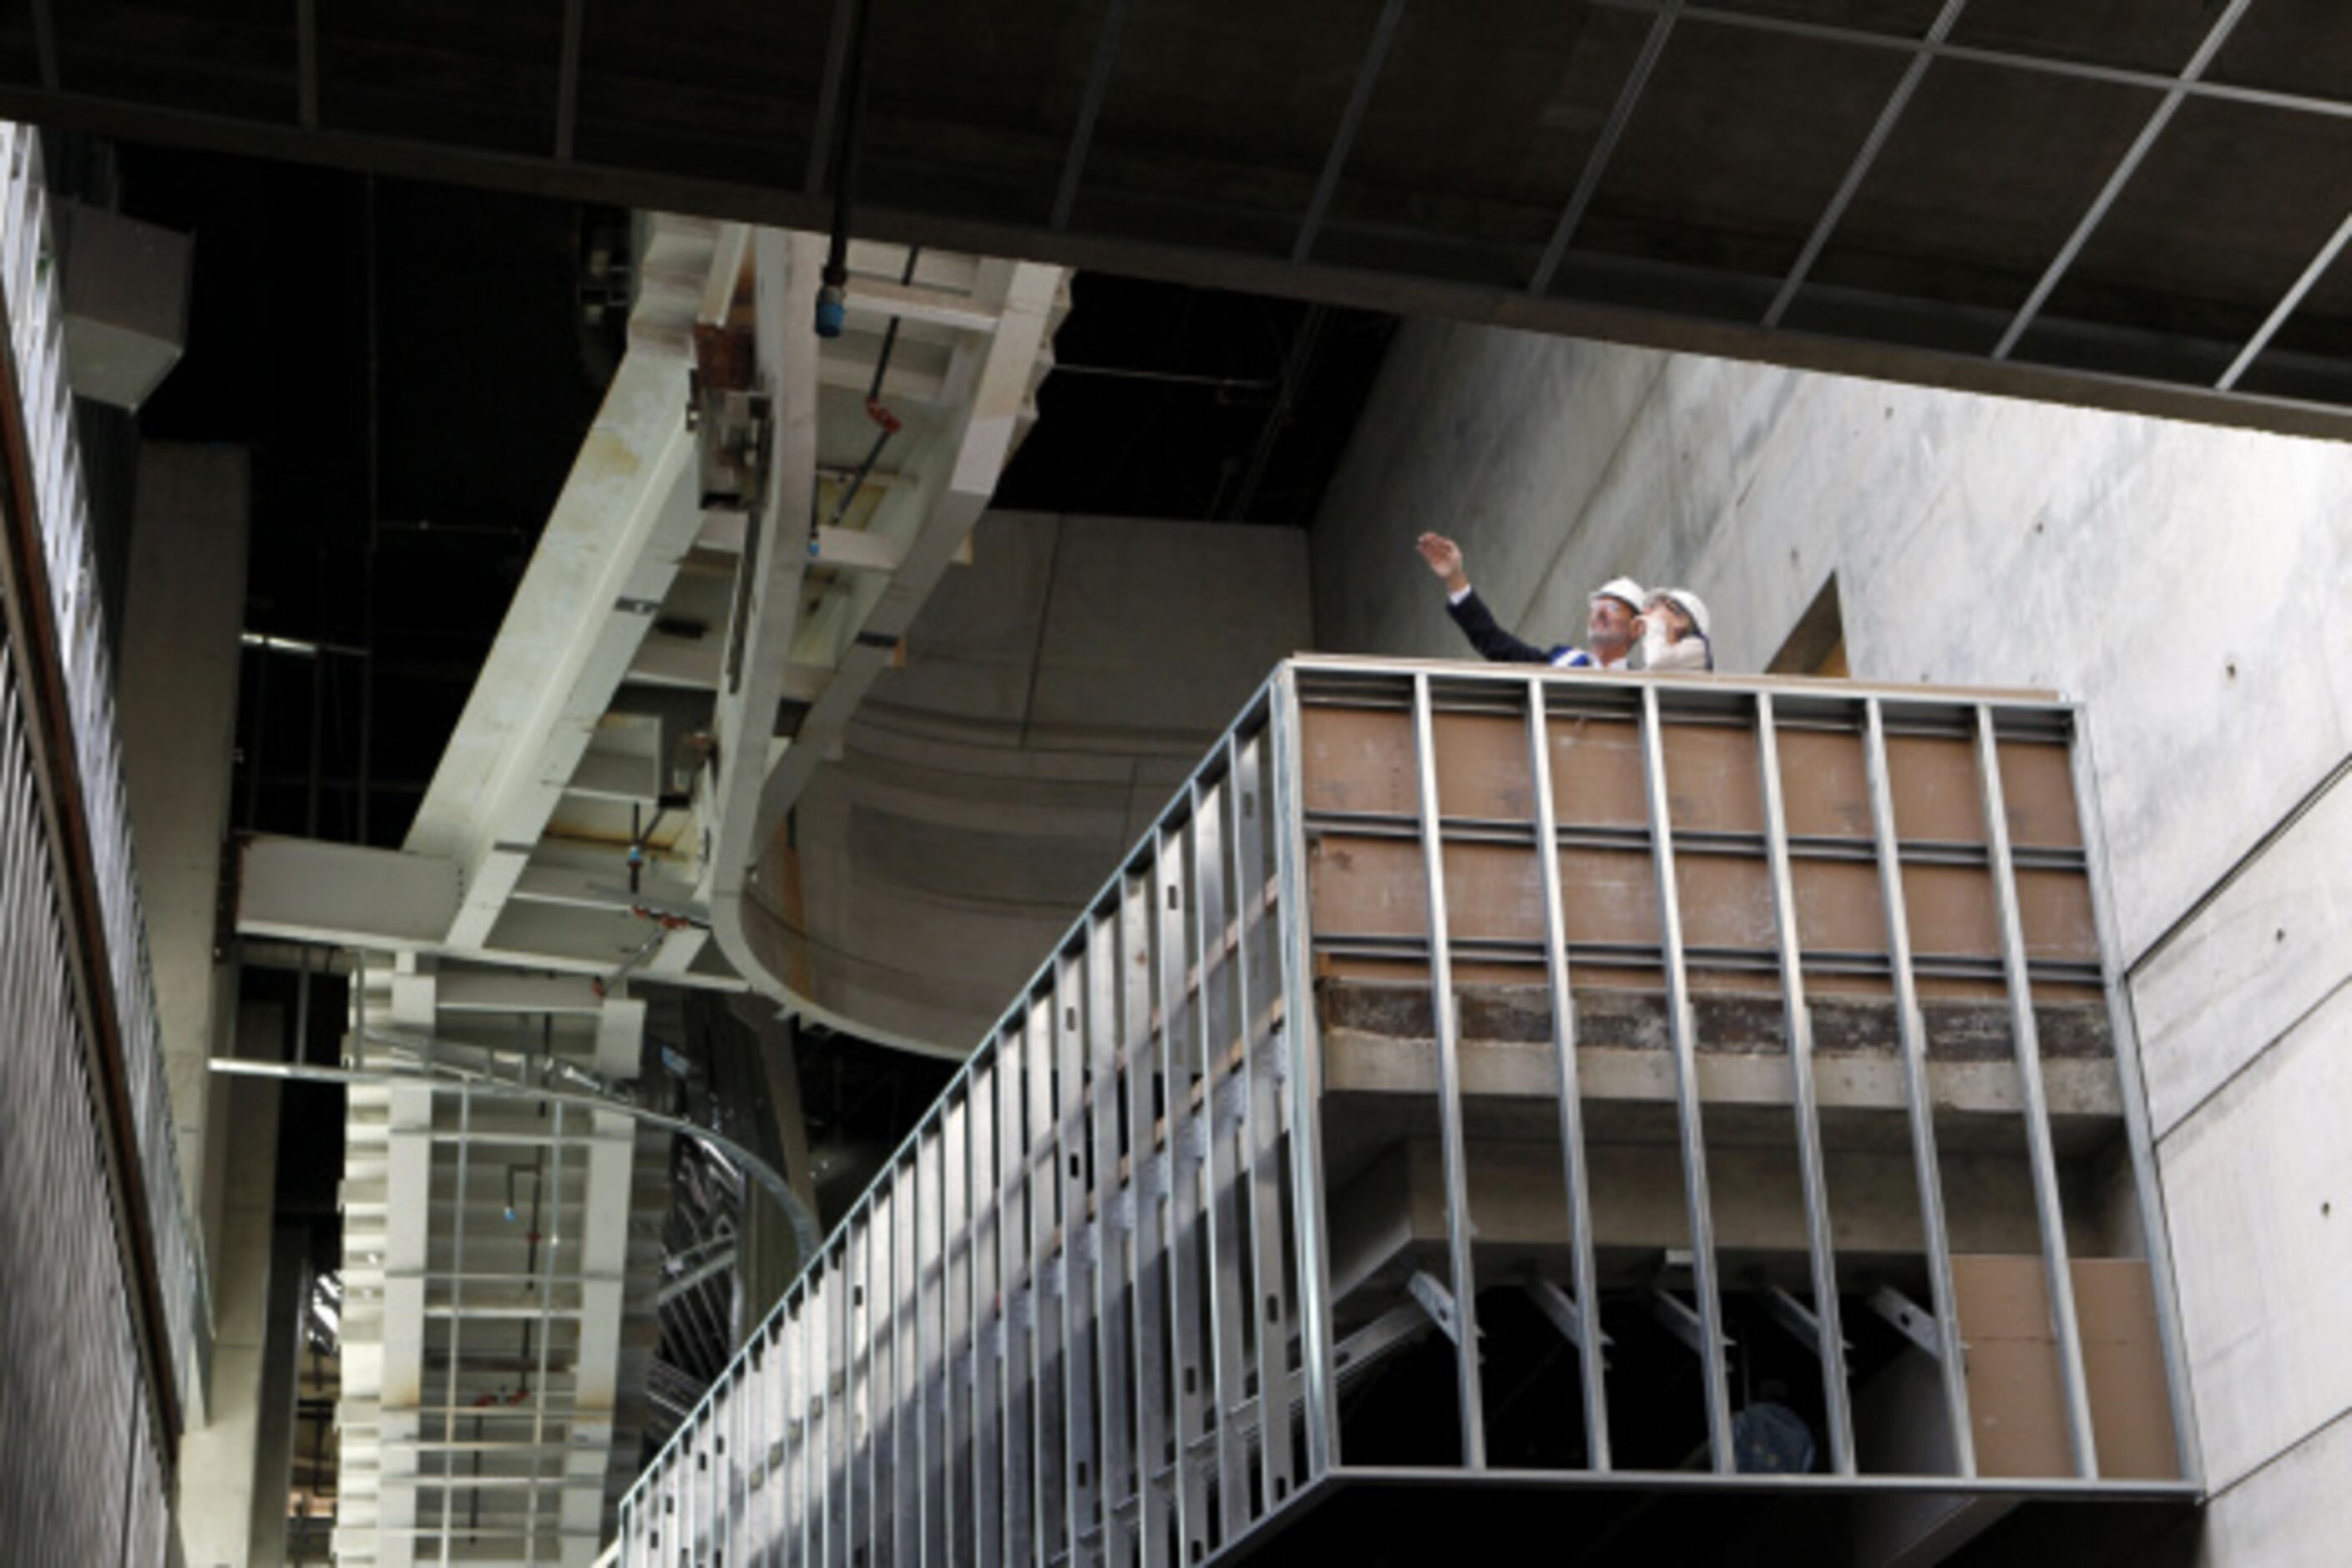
(1816, 643)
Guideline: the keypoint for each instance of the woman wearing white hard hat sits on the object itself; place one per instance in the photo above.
(1672, 629)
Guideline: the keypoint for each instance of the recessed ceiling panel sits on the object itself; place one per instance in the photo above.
(1481, 126)
(441, 71)
(2227, 211)
(1738, 142)
(1219, 114)
(1979, 186)
(237, 57)
(703, 87)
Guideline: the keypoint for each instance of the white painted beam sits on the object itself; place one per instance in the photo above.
(385, 901)
(308, 891)
(700, 663)
(878, 300)
(786, 268)
(858, 549)
(625, 518)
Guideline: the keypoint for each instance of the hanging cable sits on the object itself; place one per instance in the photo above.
(831, 308)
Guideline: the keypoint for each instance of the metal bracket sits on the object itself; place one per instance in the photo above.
(1803, 1323)
(1680, 1320)
(1437, 1302)
(1916, 1323)
(1561, 1309)
(1401, 1324)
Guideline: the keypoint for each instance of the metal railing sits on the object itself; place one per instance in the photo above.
(1088, 1311)
(35, 314)
(80, 1478)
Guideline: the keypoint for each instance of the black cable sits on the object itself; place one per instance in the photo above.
(830, 307)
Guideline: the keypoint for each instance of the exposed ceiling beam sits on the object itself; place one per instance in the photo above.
(1910, 338)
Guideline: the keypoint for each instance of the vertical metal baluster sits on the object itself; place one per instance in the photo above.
(929, 1253)
(1303, 1061)
(1819, 1241)
(986, 1449)
(990, 1341)
(1224, 1284)
(1113, 1226)
(840, 1522)
(907, 1384)
(792, 1537)
(1081, 1241)
(873, 1415)
(773, 1518)
(960, 1342)
(2155, 1237)
(733, 1475)
(877, 1510)
(2049, 1203)
(850, 1430)
(682, 1488)
(1148, 1285)
(1040, 1163)
(1269, 1296)
(1464, 1277)
(846, 1385)
(1017, 1284)
(1917, 1091)
(809, 1383)
(1188, 1373)
(1591, 1363)
(1687, 1098)
(456, 1300)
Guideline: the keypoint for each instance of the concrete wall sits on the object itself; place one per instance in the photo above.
(1056, 693)
(2189, 584)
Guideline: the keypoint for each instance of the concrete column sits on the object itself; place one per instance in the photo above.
(218, 1499)
(273, 1438)
(183, 607)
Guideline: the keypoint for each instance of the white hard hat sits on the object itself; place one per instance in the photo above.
(1689, 604)
(1623, 588)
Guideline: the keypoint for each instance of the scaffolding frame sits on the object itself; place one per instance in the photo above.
(1110, 1334)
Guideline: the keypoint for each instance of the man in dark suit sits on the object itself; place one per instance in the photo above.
(1609, 628)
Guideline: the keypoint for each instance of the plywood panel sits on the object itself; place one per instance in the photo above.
(1824, 784)
(1356, 759)
(2037, 784)
(1934, 782)
(1596, 773)
(1712, 781)
(2014, 1397)
(1482, 766)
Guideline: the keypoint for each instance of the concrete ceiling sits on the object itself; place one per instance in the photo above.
(2138, 204)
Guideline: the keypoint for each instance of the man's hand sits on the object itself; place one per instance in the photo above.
(1444, 558)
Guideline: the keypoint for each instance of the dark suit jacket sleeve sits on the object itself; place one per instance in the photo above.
(1478, 623)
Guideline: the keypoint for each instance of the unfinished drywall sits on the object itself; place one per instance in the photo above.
(2186, 583)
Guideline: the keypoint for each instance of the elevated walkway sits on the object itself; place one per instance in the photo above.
(1658, 1113)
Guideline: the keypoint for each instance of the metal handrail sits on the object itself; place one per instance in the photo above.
(29, 283)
